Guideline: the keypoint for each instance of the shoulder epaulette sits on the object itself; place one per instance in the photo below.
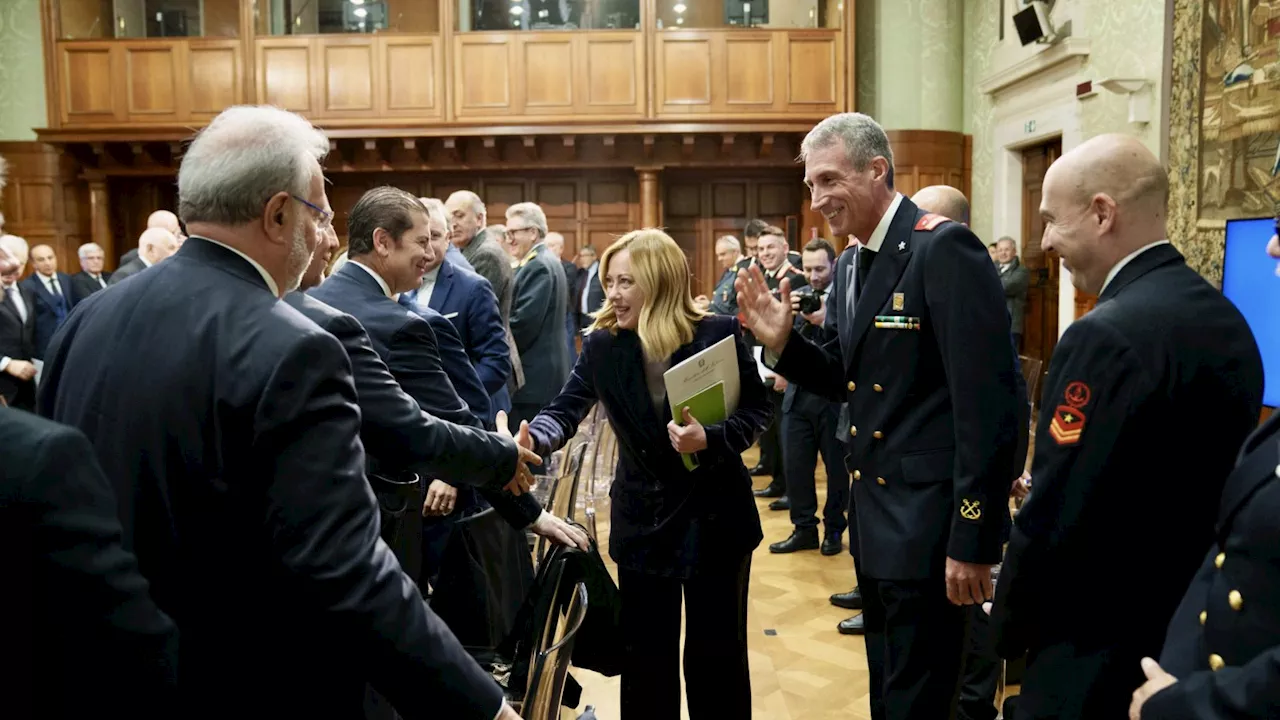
(930, 221)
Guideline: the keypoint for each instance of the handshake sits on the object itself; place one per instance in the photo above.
(522, 482)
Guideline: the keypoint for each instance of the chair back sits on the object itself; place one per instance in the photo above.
(1031, 375)
(549, 667)
(560, 500)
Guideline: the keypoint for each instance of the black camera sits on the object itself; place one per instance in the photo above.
(810, 302)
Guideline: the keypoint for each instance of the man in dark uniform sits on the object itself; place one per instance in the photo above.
(925, 363)
(773, 257)
(724, 299)
(1113, 501)
(1221, 657)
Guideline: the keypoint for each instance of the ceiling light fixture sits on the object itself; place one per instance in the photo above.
(680, 7)
(517, 10)
(360, 12)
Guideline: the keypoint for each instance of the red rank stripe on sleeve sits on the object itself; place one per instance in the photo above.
(1067, 425)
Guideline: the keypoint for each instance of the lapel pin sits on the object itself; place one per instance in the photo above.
(902, 246)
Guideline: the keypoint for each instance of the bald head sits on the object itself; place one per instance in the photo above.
(44, 260)
(156, 244)
(164, 219)
(1101, 202)
(943, 200)
(555, 243)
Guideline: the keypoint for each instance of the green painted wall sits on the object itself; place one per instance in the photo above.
(910, 56)
(22, 101)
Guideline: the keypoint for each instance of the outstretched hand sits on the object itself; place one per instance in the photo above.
(768, 317)
(1157, 680)
(522, 481)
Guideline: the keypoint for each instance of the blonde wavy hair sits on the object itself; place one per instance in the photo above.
(661, 271)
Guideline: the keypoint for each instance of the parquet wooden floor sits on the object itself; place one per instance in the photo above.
(807, 669)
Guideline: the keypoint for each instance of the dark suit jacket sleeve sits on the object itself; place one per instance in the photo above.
(534, 292)
(320, 521)
(395, 429)
(1016, 281)
(559, 420)
(732, 437)
(488, 336)
(1232, 693)
(415, 361)
(971, 326)
(80, 538)
(457, 364)
(816, 368)
(1066, 470)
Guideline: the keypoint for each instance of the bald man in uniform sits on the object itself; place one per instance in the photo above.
(944, 200)
(1116, 503)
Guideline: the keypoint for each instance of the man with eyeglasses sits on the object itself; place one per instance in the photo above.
(537, 312)
(230, 428)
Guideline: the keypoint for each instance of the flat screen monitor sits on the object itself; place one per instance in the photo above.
(1249, 280)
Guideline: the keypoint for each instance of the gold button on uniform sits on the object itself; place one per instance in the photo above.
(1217, 561)
(852, 386)
(1203, 616)
(877, 387)
(853, 431)
(1216, 663)
(1235, 600)
(857, 474)
(880, 481)
(877, 435)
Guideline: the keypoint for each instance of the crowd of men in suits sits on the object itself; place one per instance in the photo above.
(215, 471)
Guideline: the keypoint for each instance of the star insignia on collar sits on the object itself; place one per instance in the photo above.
(902, 246)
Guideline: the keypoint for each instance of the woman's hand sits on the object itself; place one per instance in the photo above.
(523, 479)
(688, 438)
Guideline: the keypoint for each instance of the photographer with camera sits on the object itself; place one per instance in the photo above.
(809, 425)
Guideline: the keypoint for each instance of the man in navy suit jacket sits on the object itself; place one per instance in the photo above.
(466, 299)
(388, 243)
(52, 293)
(231, 431)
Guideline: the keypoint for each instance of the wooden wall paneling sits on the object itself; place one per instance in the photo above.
(609, 74)
(928, 157)
(215, 77)
(749, 71)
(156, 81)
(90, 75)
(815, 72)
(482, 82)
(42, 202)
(350, 76)
(286, 73)
(684, 77)
(413, 76)
(546, 79)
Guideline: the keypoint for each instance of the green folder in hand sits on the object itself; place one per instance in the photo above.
(707, 407)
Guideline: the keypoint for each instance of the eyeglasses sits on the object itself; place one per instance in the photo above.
(326, 217)
(512, 233)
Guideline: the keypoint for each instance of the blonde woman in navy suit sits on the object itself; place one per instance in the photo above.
(674, 533)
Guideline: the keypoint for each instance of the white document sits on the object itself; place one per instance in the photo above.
(718, 363)
(39, 370)
(765, 372)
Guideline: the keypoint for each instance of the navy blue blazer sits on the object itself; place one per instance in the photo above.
(228, 423)
(456, 363)
(50, 309)
(1244, 637)
(403, 339)
(665, 520)
(467, 300)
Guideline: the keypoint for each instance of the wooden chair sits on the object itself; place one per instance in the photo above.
(549, 668)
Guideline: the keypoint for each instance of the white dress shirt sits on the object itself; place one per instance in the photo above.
(386, 289)
(427, 287)
(586, 286)
(874, 242)
(266, 276)
(1126, 260)
(147, 263)
(51, 284)
(15, 296)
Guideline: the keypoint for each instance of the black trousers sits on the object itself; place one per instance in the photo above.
(807, 430)
(771, 443)
(915, 640)
(980, 676)
(717, 679)
(1067, 682)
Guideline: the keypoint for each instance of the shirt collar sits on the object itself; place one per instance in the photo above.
(1126, 260)
(874, 242)
(431, 276)
(147, 263)
(266, 276)
(46, 278)
(386, 289)
(533, 253)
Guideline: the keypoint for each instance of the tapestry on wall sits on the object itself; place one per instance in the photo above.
(1240, 109)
